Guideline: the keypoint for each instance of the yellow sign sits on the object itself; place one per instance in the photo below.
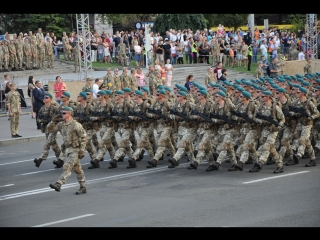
(260, 27)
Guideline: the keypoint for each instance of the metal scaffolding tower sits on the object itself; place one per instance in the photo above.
(311, 36)
(84, 37)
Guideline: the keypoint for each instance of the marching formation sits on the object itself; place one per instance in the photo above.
(259, 121)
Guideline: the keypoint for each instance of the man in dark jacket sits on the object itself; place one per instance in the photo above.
(38, 95)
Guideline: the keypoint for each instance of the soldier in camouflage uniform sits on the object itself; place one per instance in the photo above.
(5, 50)
(13, 56)
(76, 53)
(13, 102)
(106, 127)
(49, 53)
(143, 127)
(209, 77)
(303, 128)
(204, 131)
(74, 139)
(116, 79)
(316, 124)
(122, 53)
(1, 56)
(163, 126)
(127, 97)
(133, 80)
(294, 54)
(39, 35)
(42, 54)
(34, 55)
(185, 129)
(27, 53)
(268, 134)
(108, 79)
(307, 67)
(88, 85)
(259, 71)
(46, 113)
(150, 74)
(84, 108)
(125, 79)
(65, 39)
(123, 127)
(157, 82)
(19, 49)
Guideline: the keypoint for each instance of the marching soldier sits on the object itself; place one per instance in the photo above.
(74, 139)
(46, 113)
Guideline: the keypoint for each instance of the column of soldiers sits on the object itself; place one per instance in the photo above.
(32, 52)
(259, 121)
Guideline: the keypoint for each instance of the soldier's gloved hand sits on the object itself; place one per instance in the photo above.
(81, 154)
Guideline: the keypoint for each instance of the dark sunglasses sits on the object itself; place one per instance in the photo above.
(88, 93)
(199, 94)
(277, 92)
(298, 92)
(175, 88)
(263, 96)
(178, 96)
(62, 97)
(241, 96)
(236, 92)
(252, 88)
(258, 91)
(64, 113)
(315, 90)
(157, 94)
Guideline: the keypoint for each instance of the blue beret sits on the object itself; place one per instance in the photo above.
(255, 86)
(138, 92)
(240, 89)
(282, 80)
(293, 77)
(126, 89)
(203, 92)
(302, 89)
(182, 88)
(290, 84)
(237, 81)
(222, 94)
(160, 87)
(48, 94)
(202, 87)
(89, 90)
(262, 88)
(223, 89)
(300, 80)
(195, 84)
(83, 94)
(109, 92)
(66, 94)
(144, 89)
(296, 86)
(167, 88)
(253, 80)
(280, 89)
(246, 94)
(227, 83)
(182, 93)
(247, 83)
(211, 84)
(304, 83)
(119, 92)
(217, 85)
(101, 92)
(317, 80)
(259, 81)
(318, 73)
(267, 93)
(287, 77)
(161, 91)
(318, 87)
(67, 109)
(177, 85)
(299, 76)
(274, 86)
(243, 79)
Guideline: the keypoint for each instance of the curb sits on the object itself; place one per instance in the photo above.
(9, 142)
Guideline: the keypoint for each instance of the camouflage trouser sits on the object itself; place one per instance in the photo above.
(27, 58)
(41, 60)
(50, 141)
(315, 132)
(6, 61)
(1, 62)
(278, 139)
(92, 152)
(227, 147)
(50, 60)
(14, 123)
(185, 144)
(285, 141)
(143, 143)
(95, 140)
(35, 61)
(216, 140)
(72, 162)
(13, 61)
(249, 145)
(133, 141)
(164, 142)
(76, 64)
(106, 142)
(123, 58)
(304, 143)
(124, 144)
(266, 141)
(67, 54)
(204, 147)
(152, 138)
(20, 58)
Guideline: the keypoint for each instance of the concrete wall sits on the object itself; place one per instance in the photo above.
(296, 67)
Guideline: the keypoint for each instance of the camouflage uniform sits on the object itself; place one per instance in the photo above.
(94, 125)
(5, 49)
(122, 54)
(49, 112)
(259, 73)
(42, 54)
(13, 56)
(117, 82)
(27, 54)
(133, 82)
(151, 81)
(14, 101)
(316, 131)
(34, 55)
(19, 49)
(307, 69)
(125, 80)
(67, 52)
(209, 78)
(108, 81)
(1, 56)
(75, 52)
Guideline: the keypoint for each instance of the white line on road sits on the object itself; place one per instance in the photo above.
(285, 175)
(65, 220)
(21, 161)
(8, 185)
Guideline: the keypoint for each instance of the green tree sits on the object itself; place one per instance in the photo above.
(298, 22)
(163, 22)
(125, 19)
(211, 20)
(232, 20)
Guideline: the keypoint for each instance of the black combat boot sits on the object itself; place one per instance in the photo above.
(37, 161)
(296, 158)
(132, 163)
(270, 161)
(239, 166)
(216, 166)
(82, 189)
(256, 167)
(113, 164)
(161, 157)
(278, 170)
(312, 163)
(94, 164)
(152, 163)
(210, 168)
(59, 163)
(290, 162)
(195, 152)
(233, 168)
(215, 156)
(174, 163)
(193, 165)
(56, 186)
(120, 159)
(141, 155)
(249, 161)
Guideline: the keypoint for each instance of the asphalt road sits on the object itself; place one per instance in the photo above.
(156, 197)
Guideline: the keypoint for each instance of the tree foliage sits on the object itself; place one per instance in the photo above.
(163, 22)
(232, 20)
(211, 20)
(298, 22)
(125, 19)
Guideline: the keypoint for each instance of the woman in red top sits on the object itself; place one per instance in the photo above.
(59, 88)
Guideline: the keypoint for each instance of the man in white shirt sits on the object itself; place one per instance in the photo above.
(264, 50)
(301, 55)
(173, 36)
(95, 87)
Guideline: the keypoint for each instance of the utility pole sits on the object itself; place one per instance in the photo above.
(311, 37)
(147, 46)
(251, 24)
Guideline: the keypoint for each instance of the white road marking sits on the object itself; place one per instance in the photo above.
(20, 161)
(279, 176)
(8, 185)
(65, 220)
